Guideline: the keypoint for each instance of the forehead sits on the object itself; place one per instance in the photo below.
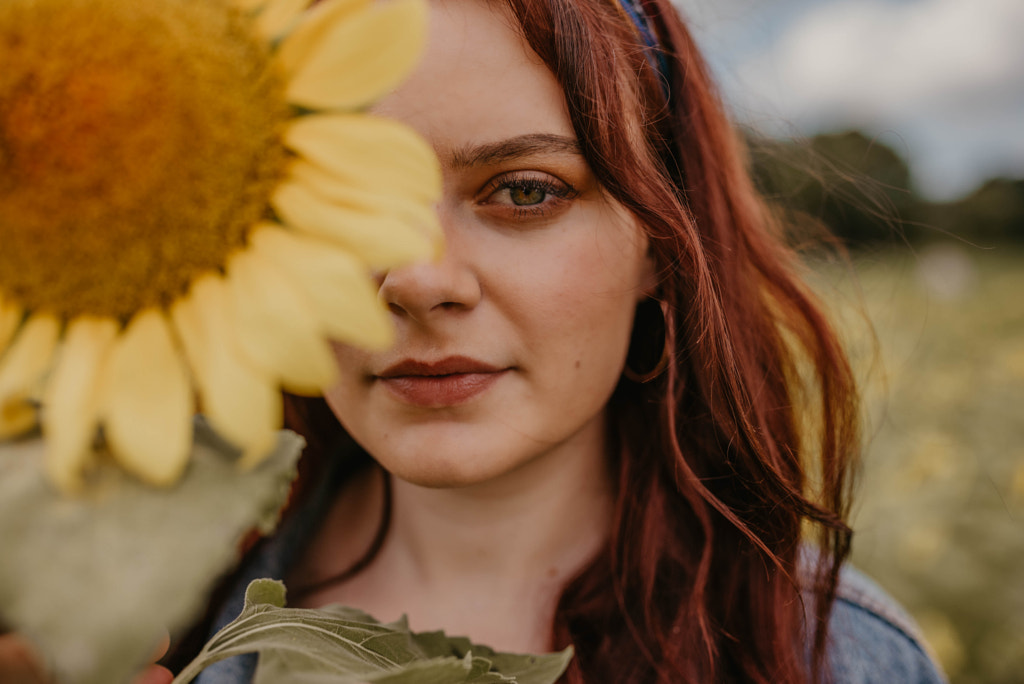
(478, 81)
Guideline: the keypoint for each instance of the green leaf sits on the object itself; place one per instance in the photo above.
(521, 668)
(94, 581)
(339, 645)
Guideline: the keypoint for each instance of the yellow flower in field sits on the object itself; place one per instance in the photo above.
(192, 202)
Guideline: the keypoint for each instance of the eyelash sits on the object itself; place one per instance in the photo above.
(556, 192)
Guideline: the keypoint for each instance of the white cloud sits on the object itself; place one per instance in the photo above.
(866, 58)
(945, 77)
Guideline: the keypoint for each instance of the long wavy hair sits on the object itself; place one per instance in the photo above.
(748, 440)
(743, 447)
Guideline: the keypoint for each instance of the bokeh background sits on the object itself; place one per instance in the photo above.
(899, 125)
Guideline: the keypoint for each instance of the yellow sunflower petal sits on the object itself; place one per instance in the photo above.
(346, 62)
(415, 213)
(316, 26)
(381, 240)
(276, 16)
(369, 153)
(243, 405)
(338, 286)
(71, 400)
(21, 369)
(147, 401)
(276, 327)
(10, 317)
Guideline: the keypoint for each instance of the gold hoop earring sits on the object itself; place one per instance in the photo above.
(648, 344)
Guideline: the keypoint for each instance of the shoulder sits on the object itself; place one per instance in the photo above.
(872, 639)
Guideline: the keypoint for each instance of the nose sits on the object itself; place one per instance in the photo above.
(424, 290)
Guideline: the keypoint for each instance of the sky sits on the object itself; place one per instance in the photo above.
(941, 81)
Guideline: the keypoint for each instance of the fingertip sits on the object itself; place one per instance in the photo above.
(154, 674)
(19, 661)
(162, 646)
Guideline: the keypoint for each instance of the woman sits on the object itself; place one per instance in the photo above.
(594, 427)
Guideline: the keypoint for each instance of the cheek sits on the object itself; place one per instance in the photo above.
(580, 301)
(352, 363)
(348, 392)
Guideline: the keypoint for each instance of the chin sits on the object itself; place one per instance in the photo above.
(454, 470)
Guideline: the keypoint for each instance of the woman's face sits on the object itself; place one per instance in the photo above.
(510, 346)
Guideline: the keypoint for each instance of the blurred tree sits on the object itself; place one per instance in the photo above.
(855, 186)
(860, 191)
(992, 214)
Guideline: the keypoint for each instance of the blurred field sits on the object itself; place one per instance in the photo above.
(940, 521)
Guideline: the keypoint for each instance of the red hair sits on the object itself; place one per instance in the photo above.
(700, 581)
(720, 463)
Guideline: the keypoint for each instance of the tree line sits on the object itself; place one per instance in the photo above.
(860, 190)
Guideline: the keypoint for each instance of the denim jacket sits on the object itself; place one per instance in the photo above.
(872, 640)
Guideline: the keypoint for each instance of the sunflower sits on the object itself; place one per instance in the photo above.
(193, 202)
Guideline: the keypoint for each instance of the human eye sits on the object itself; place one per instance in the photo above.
(525, 195)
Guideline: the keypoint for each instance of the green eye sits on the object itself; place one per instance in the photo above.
(525, 196)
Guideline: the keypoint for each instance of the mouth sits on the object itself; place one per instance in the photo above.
(447, 382)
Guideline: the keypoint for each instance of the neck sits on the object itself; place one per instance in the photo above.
(488, 561)
(545, 519)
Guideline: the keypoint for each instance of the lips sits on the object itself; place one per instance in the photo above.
(448, 382)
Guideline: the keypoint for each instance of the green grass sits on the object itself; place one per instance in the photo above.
(940, 517)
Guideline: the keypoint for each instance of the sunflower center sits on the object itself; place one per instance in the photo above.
(139, 142)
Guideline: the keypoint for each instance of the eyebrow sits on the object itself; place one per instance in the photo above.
(513, 148)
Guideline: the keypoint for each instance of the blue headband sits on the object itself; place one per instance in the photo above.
(653, 52)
